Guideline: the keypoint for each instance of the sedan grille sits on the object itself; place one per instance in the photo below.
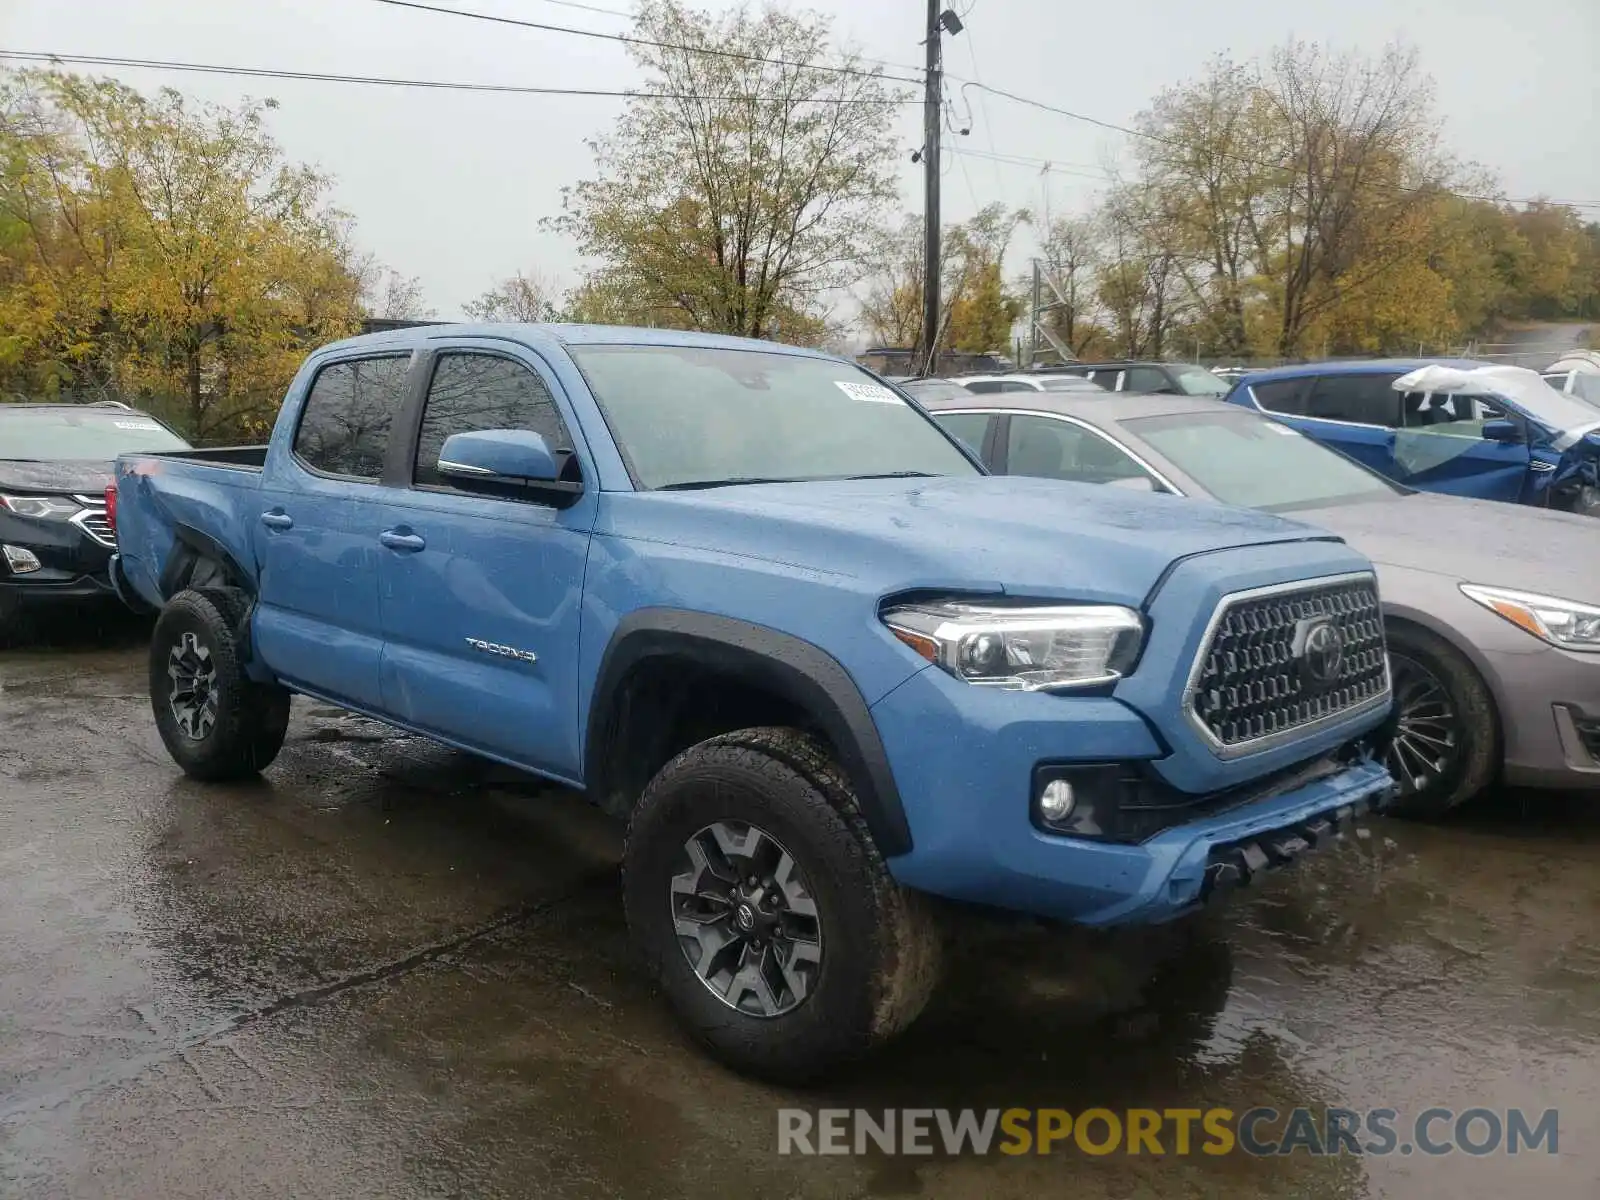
(1279, 662)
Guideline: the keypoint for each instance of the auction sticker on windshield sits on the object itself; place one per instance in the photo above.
(146, 425)
(874, 393)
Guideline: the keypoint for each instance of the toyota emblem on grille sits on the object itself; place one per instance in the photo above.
(1319, 646)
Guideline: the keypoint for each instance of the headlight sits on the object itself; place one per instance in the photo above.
(1026, 648)
(1564, 623)
(39, 506)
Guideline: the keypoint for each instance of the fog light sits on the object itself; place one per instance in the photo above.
(1056, 800)
(21, 561)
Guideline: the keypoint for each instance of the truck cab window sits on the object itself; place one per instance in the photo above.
(473, 392)
(344, 428)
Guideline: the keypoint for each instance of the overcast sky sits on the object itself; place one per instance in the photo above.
(450, 187)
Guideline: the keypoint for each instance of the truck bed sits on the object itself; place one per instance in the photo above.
(189, 496)
(238, 458)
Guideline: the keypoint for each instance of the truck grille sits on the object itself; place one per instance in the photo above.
(94, 522)
(1280, 661)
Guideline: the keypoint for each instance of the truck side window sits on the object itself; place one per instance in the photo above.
(473, 392)
(344, 426)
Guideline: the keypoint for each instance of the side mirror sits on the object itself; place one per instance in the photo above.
(1502, 431)
(506, 462)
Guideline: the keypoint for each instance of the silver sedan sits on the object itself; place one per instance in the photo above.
(1492, 611)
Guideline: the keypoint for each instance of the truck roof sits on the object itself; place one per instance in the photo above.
(570, 335)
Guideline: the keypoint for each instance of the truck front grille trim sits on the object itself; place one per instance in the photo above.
(1268, 672)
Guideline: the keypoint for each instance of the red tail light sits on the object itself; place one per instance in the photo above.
(111, 506)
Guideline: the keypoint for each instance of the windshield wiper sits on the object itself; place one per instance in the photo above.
(897, 475)
(690, 485)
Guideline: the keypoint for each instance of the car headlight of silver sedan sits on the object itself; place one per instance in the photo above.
(1565, 623)
(1022, 647)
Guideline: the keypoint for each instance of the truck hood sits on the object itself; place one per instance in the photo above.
(1473, 541)
(54, 478)
(1039, 537)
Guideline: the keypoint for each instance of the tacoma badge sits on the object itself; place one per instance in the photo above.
(503, 651)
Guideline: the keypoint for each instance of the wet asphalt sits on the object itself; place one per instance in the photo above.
(388, 970)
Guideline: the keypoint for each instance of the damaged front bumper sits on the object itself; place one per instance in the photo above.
(1190, 865)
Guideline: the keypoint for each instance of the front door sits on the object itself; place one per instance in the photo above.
(481, 595)
(1441, 448)
(317, 618)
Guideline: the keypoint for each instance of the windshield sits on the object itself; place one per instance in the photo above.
(1197, 381)
(688, 416)
(1244, 459)
(88, 434)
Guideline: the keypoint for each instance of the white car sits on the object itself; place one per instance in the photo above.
(1576, 374)
(986, 385)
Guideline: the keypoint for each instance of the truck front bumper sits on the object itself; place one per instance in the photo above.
(965, 765)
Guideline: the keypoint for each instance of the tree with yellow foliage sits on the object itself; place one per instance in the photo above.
(162, 252)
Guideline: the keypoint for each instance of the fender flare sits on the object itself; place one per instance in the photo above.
(798, 671)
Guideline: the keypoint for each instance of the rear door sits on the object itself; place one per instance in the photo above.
(481, 595)
(1355, 413)
(317, 620)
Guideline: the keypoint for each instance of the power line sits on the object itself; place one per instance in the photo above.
(594, 8)
(152, 64)
(988, 125)
(631, 40)
(1038, 164)
(1274, 166)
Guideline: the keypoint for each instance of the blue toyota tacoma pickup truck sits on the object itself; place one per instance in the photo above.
(758, 604)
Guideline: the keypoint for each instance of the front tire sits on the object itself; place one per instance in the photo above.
(1446, 744)
(217, 723)
(757, 899)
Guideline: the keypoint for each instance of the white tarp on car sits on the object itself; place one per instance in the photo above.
(1567, 417)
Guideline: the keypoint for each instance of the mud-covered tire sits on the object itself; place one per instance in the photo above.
(1477, 728)
(879, 943)
(248, 719)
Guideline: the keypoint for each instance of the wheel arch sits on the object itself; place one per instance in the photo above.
(1461, 644)
(201, 562)
(661, 663)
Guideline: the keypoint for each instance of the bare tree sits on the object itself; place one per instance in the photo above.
(525, 296)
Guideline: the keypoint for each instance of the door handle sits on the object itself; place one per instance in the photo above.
(396, 540)
(277, 519)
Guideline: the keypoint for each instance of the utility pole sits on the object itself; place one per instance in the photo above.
(932, 103)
